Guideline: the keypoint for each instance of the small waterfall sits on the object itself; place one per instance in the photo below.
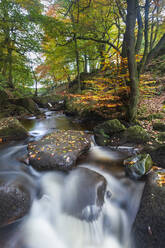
(49, 226)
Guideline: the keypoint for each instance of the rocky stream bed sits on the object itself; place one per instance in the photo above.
(60, 189)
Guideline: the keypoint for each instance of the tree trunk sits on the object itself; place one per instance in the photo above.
(140, 31)
(154, 52)
(146, 47)
(10, 61)
(132, 66)
(77, 64)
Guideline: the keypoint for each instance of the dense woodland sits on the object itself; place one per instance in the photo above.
(100, 47)
(82, 123)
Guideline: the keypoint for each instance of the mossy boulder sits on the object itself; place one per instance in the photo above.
(26, 103)
(138, 166)
(13, 110)
(161, 136)
(159, 126)
(136, 134)
(12, 129)
(106, 130)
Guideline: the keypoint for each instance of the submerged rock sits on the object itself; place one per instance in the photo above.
(84, 194)
(16, 195)
(58, 150)
(138, 165)
(106, 130)
(12, 129)
(149, 226)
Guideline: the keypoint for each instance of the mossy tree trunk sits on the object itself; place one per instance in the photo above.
(132, 66)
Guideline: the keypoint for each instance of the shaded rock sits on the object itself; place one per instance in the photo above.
(106, 130)
(11, 128)
(161, 136)
(138, 165)
(136, 134)
(84, 194)
(157, 154)
(13, 110)
(3, 97)
(27, 103)
(58, 150)
(149, 226)
(159, 126)
(52, 102)
(16, 195)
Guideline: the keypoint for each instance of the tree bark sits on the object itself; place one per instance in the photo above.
(10, 76)
(140, 31)
(132, 66)
(154, 52)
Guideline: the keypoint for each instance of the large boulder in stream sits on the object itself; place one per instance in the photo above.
(59, 150)
(12, 129)
(149, 226)
(106, 130)
(138, 166)
(84, 191)
(16, 195)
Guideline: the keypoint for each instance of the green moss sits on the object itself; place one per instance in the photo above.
(161, 136)
(136, 134)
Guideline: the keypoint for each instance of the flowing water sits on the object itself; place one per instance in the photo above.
(48, 225)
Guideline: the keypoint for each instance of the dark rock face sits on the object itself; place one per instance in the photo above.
(11, 128)
(149, 226)
(58, 150)
(159, 126)
(84, 194)
(16, 195)
(106, 130)
(157, 154)
(27, 103)
(52, 102)
(138, 165)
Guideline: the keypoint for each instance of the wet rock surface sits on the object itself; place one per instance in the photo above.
(149, 226)
(58, 150)
(16, 195)
(106, 130)
(138, 166)
(88, 191)
(157, 154)
(12, 129)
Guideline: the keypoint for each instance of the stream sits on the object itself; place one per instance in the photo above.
(48, 225)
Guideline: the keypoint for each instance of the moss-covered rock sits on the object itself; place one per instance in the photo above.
(27, 103)
(138, 166)
(159, 126)
(136, 134)
(13, 110)
(106, 130)
(161, 136)
(56, 102)
(12, 129)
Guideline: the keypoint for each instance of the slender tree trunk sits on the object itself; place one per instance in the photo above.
(77, 64)
(140, 31)
(146, 47)
(36, 84)
(10, 61)
(154, 52)
(132, 67)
